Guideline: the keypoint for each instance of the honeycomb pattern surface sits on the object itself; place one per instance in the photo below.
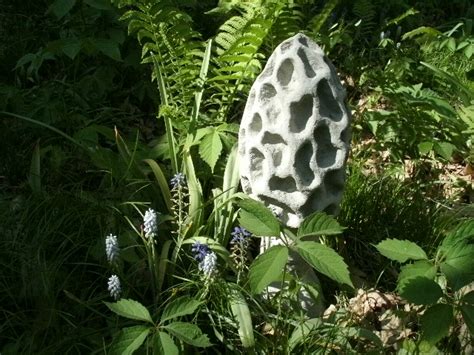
(295, 133)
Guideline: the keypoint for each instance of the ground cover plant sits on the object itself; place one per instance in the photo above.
(124, 229)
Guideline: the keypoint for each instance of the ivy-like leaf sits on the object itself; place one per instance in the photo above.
(210, 148)
(189, 333)
(421, 290)
(164, 344)
(319, 223)
(108, 47)
(267, 267)
(180, 307)
(258, 219)
(129, 340)
(400, 250)
(325, 260)
(436, 321)
(130, 309)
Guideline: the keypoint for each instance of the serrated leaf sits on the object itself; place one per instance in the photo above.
(180, 307)
(436, 321)
(258, 219)
(189, 333)
(325, 260)
(267, 267)
(130, 309)
(62, 7)
(421, 290)
(319, 223)
(210, 148)
(420, 268)
(164, 344)
(241, 312)
(467, 310)
(458, 265)
(400, 250)
(129, 340)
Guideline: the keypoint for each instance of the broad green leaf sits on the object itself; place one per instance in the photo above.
(189, 333)
(130, 309)
(302, 331)
(458, 265)
(421, 290)
(258, 219)
(435, 322)
(325, 260)
(241, 312)
(467, 310)
(463, 232)
(400, 250)
(425, 147)
(180, 307)
(164, 344)
(62, 7)
(129, 340)
(444, 149)
(210, 148)
(319, 223)
(108, 47)
(71, 47)
(420, 268)
(267, 267)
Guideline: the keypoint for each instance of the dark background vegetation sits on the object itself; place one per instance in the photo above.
(75, 68)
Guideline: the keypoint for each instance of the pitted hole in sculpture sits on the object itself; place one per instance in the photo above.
(267, 92)
(345, 135)
(307, 67)
(328, 105)
(245, 184)
(300, 112)
(302, 165)
(313, 203)
(256, 162)
(276, 156)
(285, 72)
(286, 184)
(303, 41)
(325, 151)
(273, 113)
(268, 71)
(256, 124)
(334, 182)
(285, 46)
(272, 138)
(271, 201)
(251, 98)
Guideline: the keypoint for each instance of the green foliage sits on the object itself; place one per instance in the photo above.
(258, 219)
(400, 250)
(325, 260)
(267, 267)
(319, 223)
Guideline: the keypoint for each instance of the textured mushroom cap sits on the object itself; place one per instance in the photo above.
(294, 136)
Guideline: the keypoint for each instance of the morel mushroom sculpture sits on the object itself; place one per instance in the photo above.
(294, 135)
